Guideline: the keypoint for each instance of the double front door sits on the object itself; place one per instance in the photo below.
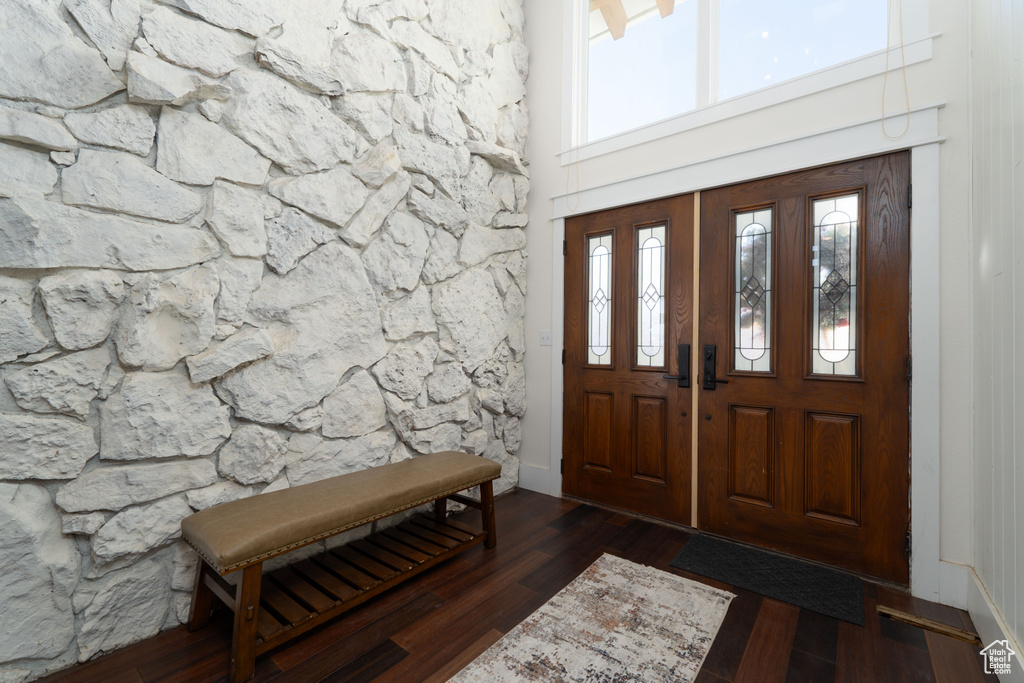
(737, 360)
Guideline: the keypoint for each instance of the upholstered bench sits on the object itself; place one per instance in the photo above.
(271, 609)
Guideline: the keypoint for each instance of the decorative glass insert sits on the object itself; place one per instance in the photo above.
(834, 268)
(650, 305)
(599, 309)
(753, 292)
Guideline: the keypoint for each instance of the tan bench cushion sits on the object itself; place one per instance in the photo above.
(232, 535)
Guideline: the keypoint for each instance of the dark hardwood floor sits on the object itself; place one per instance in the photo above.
(432, 626)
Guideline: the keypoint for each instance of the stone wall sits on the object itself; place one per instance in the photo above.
(244, 245)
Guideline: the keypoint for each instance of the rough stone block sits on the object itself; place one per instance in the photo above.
(44, 448)
(34, 130)
(126, 127)
(162, 415)
(194, 44)
(162, 322)
(137, 530)
(41, 234)
(253, 455)
(19, 333)
(40, 571)
(116, 181)
(355, 408)
(329, 314)
(80, 305)
(287, 125)
(44, 61)
(333, 196)
(316, 459)
(129, 606)
(26, 170)
(193, 150)
(66, 385)
(240, 348)
(116, 487)
(152, 80)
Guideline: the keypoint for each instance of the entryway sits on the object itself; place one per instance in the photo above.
(765, 327)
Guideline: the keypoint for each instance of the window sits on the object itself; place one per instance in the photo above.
(644, 61)
(647, 75)
(650, 297)
(599, 300)
(761, 42)
(834, 282)
(752, 314)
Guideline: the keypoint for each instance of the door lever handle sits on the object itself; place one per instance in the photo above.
(684, 367)
(710, 357)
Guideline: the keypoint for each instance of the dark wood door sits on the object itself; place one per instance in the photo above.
(629, 291)
(804, 298)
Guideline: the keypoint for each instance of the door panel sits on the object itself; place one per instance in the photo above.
(832, 467)
(805, 293)
(752, 455)
(650, 425)
(629, 290)
(597, 445)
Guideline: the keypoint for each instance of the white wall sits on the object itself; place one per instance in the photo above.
(943, 78)
(997, 125)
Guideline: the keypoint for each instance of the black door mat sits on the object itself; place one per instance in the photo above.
(819, 589)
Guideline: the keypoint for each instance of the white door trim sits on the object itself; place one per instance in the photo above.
(824, 147)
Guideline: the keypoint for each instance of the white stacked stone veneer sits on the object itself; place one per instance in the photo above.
(244, 245)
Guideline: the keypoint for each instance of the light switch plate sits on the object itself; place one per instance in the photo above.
(545, 338)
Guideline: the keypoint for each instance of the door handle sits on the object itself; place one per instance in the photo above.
(684, 367)
(710, 361)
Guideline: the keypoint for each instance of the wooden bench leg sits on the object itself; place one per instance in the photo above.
(487, 513)
(202, 599)
(441, 509)
(247, 612)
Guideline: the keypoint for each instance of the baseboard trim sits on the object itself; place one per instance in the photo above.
(536, 478)
(991, 626)
(954, 582)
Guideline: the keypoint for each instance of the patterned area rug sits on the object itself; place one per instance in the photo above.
(617, 621)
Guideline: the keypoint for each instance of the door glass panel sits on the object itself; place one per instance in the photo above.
(834, 268)
(651, 297)
(753, 292)
(599, 308)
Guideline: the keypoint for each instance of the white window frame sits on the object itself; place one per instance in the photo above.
(917, 48)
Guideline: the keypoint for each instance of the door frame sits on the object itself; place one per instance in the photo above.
(930, 578)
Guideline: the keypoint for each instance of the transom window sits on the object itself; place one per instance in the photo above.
(648, 60)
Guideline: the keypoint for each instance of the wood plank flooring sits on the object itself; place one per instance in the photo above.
(433, 625)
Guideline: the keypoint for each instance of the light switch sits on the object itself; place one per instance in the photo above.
(545, 338)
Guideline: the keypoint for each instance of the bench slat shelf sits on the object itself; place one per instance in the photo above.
(295, 582)
(456, 533)
(373, 571)
(277, 606)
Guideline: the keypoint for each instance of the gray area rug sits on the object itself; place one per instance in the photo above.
(617, 621)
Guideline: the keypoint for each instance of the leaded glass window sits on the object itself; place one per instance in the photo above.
(834, 268)
(650, 305)
(753, 291)
(599, 302)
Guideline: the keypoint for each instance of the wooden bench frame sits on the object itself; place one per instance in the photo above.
(354, 573)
